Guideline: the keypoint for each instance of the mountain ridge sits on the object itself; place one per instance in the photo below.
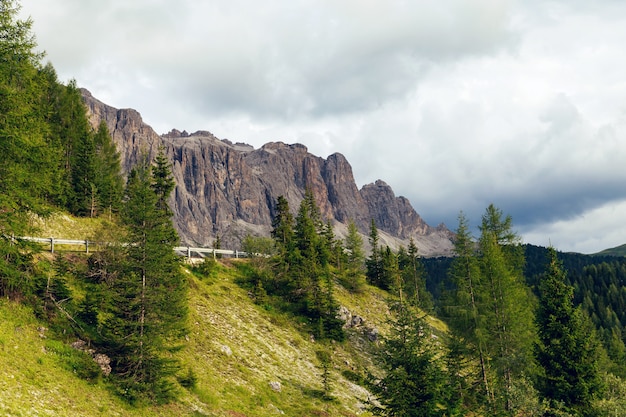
(229, 189)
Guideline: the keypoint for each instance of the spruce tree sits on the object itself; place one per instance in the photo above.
(413, 384)
(83, 176)
(355, 259)
(374, 266)
(462, 309)
(108, 179)
(310, 272)
(283, 236)
(566, 350)
(26, 171)
(163, 181)
(147, 315)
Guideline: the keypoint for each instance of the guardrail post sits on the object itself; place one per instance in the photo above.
(188, 252)
(86, 246)
(51, 245)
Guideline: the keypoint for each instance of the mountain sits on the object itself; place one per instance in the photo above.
(616, 251)
(229, 189)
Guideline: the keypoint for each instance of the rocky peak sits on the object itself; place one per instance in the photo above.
(230, 189)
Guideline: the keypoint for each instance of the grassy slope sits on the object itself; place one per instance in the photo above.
(616, 251)
(234, 347)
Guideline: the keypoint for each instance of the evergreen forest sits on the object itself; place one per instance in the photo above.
(500, 329)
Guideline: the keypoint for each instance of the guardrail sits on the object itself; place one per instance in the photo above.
(52, 241)
(187, 251)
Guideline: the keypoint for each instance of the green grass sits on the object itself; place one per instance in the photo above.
(616, 251)
(234, 349)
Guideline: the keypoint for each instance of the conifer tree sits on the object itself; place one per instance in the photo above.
(83, 177)
(413, 277)
(310, 270)
(163, 181)
(148, 309)
(374, 266)
(108, 178)
(283, 235)
(355, 259)
(505, 306)
(566, 350)
(462, 309)
(25, 172)
(390, 278)
(414, 384)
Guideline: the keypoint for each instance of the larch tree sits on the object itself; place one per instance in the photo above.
(506, 305)
(413, 277)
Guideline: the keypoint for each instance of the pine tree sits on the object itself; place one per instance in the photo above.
(566, 350)
(147, 315)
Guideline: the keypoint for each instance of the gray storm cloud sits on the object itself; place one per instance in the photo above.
(455, 104)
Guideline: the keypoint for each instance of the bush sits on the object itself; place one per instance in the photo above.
(205, 268)
(189, 380)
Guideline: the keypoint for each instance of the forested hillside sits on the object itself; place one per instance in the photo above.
(311, 323)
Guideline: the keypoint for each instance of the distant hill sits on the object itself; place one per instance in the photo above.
(616, 251)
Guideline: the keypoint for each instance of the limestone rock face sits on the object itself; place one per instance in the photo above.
(230, 189)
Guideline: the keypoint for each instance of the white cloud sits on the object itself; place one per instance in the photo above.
(597, 229)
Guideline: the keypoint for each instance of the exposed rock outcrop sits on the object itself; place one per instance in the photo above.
(230, 189)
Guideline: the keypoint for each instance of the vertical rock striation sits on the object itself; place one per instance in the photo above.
(230, 189)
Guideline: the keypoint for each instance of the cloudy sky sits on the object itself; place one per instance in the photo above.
(454, 103)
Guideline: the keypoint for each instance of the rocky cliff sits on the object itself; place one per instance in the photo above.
(230, 189)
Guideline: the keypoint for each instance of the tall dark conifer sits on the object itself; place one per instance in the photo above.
(147, 315)
(414, 384)
(355, 259)
(462, 309)
(283, 236)
(566, 350)
(27, 161)
(374, 264)
(108, 179)
(163, 181)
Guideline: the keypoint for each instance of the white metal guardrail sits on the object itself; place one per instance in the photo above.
(187, 251)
